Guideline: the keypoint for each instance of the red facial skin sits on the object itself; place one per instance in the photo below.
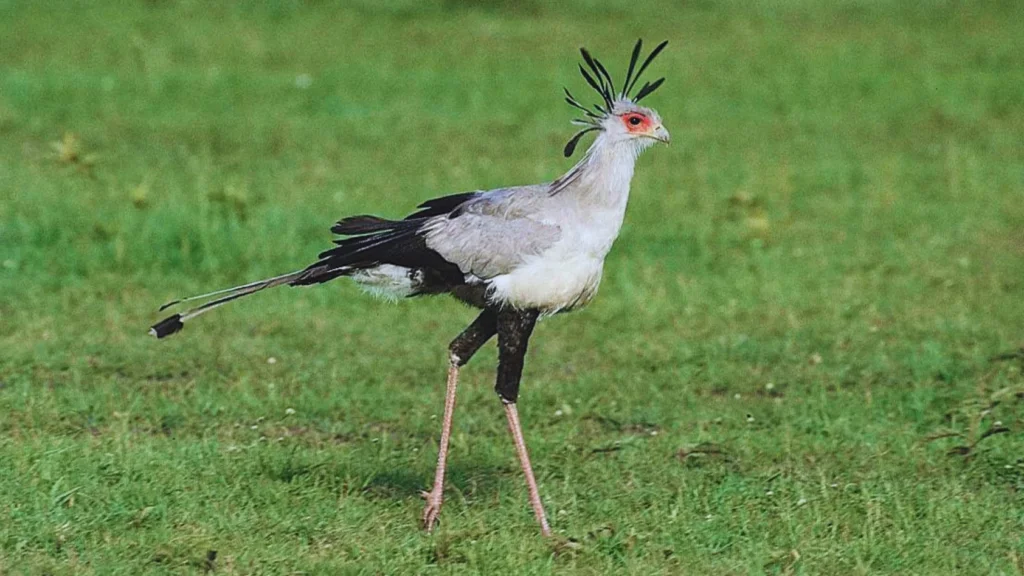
(640, 124)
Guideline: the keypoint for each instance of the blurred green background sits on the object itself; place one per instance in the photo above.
(801, 360)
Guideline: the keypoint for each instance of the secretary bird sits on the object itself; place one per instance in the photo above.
(517, 254)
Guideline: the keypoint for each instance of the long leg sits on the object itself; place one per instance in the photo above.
(514, 329)
(459, 352)
(524, 459)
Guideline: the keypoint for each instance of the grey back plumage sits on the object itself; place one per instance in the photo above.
(495, 231)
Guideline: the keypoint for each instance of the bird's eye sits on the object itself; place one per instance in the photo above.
(634, 120)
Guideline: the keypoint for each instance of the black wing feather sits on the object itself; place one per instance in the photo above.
(441, 206)
(363, 224)
(372, 241)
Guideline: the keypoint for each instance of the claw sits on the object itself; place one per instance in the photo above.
(432, 510)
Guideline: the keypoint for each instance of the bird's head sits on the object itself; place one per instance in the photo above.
(619, 117)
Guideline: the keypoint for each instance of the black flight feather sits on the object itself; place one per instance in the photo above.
(402, 244)
(363, 224)
(442, 206)
(367, 224)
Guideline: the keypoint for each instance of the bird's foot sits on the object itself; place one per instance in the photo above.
(432, 510)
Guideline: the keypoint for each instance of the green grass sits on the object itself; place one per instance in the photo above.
(807, 295)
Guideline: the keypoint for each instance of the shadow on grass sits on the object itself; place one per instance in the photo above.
(474, 478)
(471, 479)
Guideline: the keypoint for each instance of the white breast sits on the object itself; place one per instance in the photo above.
(589, 213)
(567, 275)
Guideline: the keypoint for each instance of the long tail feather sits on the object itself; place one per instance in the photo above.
(176, 322)
(224, 291)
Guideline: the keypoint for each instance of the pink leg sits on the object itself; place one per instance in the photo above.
(524, 459)
(436, 495)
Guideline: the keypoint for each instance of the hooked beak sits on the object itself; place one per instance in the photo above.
(661, 135)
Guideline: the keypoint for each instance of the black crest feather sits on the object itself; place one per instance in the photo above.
(647, 89)
(601, 81)
(632, 65)
(650, 57)
(570, 147)
(597, 88)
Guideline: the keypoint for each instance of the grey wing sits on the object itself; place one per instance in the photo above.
(493, 234)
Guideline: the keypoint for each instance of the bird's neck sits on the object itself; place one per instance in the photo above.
(603, 175)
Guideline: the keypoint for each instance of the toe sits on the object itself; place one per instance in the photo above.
(430, 518)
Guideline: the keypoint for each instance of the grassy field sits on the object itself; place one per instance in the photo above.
(789, 370)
